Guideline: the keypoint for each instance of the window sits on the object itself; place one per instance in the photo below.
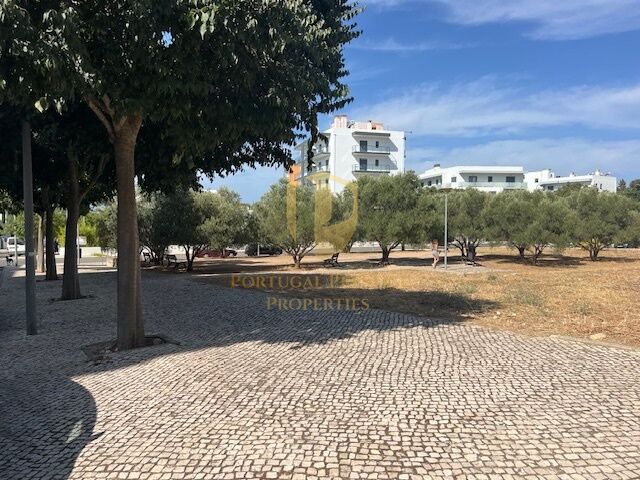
(422, 184)
(377, 144)
(429, 183)
(377, 162)
(511, 179)
(537, 180)
(363, 164)
(454, 179)
(550, 187)
(473, 178)
(490, 179)
(363, 146)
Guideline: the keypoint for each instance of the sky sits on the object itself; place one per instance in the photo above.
(539, 83)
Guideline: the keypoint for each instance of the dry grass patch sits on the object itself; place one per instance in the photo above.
(567, 295)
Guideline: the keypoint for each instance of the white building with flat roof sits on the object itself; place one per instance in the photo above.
(349, 150)
(548, 181)
(485, 178)
(496, 179)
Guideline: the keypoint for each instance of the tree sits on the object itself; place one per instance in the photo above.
(345, 208)
(431, 214)
(549, 224)
(228, 81)
(388, 211)
(286, 215)
(48, 175)
(104, 218)
(600, 219)
(466, 219)
(227, 220)
(177, 220)
(507, 216)
(622, 185)
(633, 190)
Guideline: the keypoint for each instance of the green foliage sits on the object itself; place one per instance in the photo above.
(466, 219)
(507, 216)
(431, 214)
(528, 221)
(227, 220)
(104, 218)
(633, 191)
(293, 232)
(600, 219)
(550, 225)
(389, 211)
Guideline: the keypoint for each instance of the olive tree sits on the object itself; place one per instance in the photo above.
(287, 218)
(467, 225)
(601, 218)
(388, 211)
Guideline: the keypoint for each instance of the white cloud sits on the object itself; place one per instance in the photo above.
(485, 108)
(551, 19)
(391, 45)
(564, 155)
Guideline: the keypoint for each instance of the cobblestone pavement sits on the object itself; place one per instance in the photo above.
(258, 393)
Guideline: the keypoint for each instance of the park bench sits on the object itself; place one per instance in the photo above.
(9, 260)
(173, 260)
(333, 261)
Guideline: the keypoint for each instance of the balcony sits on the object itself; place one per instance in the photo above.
(357, 169)
(358, 150)
(506, 185)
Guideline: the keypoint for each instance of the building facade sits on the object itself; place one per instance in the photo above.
(349, 150)
(496, 179)
(548, 181)
(485, 178)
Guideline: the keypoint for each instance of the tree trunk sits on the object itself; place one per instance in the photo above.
(50, 250)
(385, 256)
(130, 320)
(190, 258)
(40, 248)
(70, 277)
(521, 251)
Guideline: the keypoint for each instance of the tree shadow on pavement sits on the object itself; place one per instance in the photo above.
(46, 423)
(47, 418)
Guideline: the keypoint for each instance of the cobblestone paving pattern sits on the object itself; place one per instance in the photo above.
(252, 393)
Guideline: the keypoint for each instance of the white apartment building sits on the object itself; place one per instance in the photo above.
(548, 181)
(496, 179)
(349, 150)
(486, 178)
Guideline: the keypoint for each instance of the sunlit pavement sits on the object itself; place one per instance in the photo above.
(253, 392)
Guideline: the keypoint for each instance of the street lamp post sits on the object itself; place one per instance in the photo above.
(446, 228)
(29, 253)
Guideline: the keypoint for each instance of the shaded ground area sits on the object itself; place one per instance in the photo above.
(563, 295)
(255, 391)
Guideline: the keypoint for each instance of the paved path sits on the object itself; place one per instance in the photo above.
(257, 393)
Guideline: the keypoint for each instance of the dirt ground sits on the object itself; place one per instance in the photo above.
(564, 294)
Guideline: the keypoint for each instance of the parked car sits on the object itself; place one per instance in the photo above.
(215, 253)
(8, 246)
(252, 250)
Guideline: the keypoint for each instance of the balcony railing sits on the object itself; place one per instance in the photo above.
(381, 169)
(383, 150)
(493, 184)
(316, 169)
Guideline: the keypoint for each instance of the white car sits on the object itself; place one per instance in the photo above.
(8, 246)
